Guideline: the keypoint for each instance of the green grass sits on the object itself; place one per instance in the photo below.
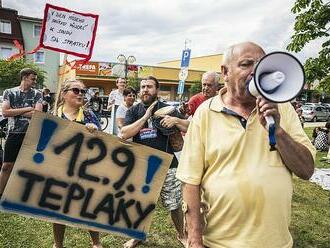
(311, 210)
(309, 132)
(20, 232)
(309, 225)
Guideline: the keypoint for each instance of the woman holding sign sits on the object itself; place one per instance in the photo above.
(70, 107)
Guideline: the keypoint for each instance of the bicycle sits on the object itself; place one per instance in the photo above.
(104, 119)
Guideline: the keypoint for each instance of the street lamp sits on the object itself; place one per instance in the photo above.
(126, 61)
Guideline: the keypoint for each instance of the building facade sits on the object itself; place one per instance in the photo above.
(10, 30)
(204, 63)
(101, 76)
(26, 30)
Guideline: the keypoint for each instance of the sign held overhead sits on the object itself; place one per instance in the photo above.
(68, 31)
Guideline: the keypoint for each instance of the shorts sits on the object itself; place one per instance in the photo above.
(12, 146)
(171, 194)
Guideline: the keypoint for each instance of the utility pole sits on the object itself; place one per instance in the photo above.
(186, 42)
(183, 74)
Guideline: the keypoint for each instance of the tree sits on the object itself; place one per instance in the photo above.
(133, 82)
(312, 23)
(9, 73)
(196, 87)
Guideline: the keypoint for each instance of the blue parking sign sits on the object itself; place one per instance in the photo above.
(185, 58)
(180, 87)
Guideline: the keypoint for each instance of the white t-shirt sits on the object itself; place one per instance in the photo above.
(121, 111)
(117, 96)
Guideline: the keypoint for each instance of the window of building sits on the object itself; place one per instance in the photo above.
(5, 26)
(39, 57)
(6, 52)
(36, 30)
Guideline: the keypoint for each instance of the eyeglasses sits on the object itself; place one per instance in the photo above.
(131, 95)
(76, 91)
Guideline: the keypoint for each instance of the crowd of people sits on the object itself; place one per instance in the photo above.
(227, 189)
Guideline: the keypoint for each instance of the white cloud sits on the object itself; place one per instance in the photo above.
(155, 31)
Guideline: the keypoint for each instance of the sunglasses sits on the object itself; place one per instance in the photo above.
(76, 91)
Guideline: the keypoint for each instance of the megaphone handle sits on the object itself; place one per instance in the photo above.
(270, 121)
(271, 132)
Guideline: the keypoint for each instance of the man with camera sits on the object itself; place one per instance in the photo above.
(140, 125)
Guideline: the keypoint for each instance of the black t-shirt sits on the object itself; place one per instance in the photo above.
(149, 135)
(46, 105)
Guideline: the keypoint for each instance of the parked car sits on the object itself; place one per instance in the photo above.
(315, 113)
(326, 105)
(311, 104)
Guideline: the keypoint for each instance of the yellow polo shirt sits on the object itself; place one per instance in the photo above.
(248, 187)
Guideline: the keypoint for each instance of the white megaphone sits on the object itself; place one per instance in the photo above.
(278, 77)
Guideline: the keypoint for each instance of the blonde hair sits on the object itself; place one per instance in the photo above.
(65, 87)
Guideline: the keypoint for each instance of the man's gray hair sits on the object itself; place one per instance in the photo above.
(212, 74)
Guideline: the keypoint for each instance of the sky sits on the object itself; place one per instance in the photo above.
(156, 30)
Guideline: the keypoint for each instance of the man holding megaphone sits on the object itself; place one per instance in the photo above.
(226, 157)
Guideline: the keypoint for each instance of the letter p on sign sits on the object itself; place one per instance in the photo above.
(185, 58)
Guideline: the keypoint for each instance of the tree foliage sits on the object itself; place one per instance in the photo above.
(133, 82)
(9, 73)
(196, 87)
(312, 23)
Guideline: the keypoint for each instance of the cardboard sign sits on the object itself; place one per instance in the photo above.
(68, 31)
(67, 175)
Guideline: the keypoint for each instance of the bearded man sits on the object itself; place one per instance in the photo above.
(139, 125)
